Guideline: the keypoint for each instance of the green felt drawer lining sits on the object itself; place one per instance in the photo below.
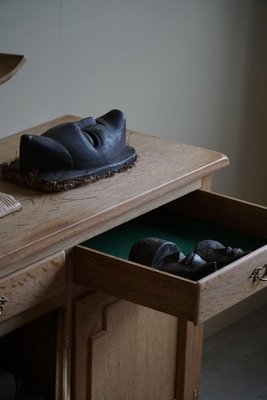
(185, 231)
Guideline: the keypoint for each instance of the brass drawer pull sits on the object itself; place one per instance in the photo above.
(3, 300)
(255, 275)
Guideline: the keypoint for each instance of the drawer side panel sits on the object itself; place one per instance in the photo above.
(224, 210)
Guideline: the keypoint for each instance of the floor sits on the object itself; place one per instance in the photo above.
(235, 361)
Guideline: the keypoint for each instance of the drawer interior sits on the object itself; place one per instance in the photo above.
(184, 230)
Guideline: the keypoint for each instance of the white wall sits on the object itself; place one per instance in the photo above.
(186, 69)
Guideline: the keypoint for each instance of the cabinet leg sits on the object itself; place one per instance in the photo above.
(189, 353)
(206, 183)
(64, 338)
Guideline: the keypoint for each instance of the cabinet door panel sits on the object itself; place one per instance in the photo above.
(123, 351)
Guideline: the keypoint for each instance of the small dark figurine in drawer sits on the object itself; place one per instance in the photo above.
(207, 257)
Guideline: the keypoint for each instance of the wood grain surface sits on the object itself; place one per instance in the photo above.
(123, 351)
(136, 283)
(225, 210)
(230, 285)
(51, 222)
(30, 287)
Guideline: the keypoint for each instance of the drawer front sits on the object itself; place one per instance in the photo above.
(136, 283)
(97, 267)
(230, 285)
(35, 284)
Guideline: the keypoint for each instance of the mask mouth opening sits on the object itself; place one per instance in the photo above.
(92, 137)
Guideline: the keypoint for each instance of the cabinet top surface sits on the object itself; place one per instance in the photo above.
(53, 222)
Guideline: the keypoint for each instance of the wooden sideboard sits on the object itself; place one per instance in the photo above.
(115, 330)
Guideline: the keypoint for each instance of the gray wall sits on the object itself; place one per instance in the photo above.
(193, 70)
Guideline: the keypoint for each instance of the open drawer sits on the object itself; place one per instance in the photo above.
(101, 262)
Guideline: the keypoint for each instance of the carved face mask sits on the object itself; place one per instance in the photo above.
(77, 150)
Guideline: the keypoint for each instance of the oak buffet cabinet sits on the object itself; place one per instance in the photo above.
(82, 322)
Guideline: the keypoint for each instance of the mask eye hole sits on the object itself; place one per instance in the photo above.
(101, 121)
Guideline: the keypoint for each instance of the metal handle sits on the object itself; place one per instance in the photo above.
(3, 300)
(255, 274)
